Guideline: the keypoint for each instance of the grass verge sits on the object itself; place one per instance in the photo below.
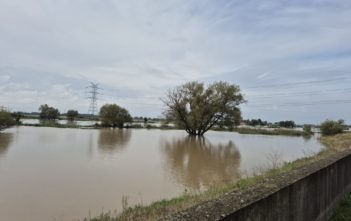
(286, 132)
(343, 212)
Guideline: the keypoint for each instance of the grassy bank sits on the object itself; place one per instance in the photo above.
(286, 132)
(343, 212)
(162, 208)
(52, 125)
(241, 130)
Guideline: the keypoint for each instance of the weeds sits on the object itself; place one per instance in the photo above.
(343, 212)
(125, 203)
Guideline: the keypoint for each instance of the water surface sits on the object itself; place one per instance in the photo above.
(65, 174)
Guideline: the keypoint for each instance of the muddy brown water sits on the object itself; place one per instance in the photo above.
(66, 174)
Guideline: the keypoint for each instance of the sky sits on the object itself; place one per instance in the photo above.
(291, 58)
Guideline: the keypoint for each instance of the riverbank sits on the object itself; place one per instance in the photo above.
(159, 209)
(240, 130)
(273, 132)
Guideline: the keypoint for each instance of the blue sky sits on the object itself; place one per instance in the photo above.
(292, 59)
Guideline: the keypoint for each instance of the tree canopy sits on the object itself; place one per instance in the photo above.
(197, 109)
(17, 117)
(255, 122)
(49, 113)
(72, 114)
(287, 123)
(114, 116)
(6, 119)
(330, 127)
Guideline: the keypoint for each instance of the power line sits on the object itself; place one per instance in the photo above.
(302, 93)
(303, 104)
(134, 103)
(298, 83)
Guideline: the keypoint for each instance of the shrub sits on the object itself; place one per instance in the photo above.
(114, 115)
(330, 127)
(72, 114)
(307, 129)
(49, 113)
(6, 119)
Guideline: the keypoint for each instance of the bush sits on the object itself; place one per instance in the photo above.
(307, 129)
(330, 127)
(113, 115)
(72, 114)
(49, 113)
(6, 119)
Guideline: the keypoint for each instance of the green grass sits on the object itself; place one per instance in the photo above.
(286, 132)
(343, 212)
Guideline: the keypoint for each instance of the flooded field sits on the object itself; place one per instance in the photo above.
(63, 122)
(67, 174)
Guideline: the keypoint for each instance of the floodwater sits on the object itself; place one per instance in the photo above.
(85, 122)
(63, 122)
(66, 174)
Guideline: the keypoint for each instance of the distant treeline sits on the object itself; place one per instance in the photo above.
(259, 122)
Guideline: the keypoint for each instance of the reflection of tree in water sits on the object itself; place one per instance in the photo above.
(197, 163)
(5, 141)
(111, 140)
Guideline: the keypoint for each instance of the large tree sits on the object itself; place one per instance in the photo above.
(197, 109)
(114, 116)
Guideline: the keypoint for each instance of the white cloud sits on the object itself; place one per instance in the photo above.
(141, 48)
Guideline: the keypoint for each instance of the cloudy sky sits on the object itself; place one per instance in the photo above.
(291, 58)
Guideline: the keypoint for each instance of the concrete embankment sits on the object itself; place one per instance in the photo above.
(305, 194)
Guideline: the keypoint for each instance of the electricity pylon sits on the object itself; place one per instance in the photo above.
(93, 92)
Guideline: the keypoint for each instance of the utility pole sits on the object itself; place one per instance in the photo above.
(93, 93)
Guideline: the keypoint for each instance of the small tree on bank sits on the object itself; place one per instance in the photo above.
(6, 119)
(197, 109)
(330, 127)
(17, 117)
(114, 116)
(72, 114)
(48, 113)
(307, 129)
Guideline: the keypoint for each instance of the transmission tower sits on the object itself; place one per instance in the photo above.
(93, 93)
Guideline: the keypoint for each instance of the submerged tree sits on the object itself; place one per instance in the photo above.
(72, 114)
(17, 116)
(48, 113)
(307, 129)
(114, 116)
(197, 109)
